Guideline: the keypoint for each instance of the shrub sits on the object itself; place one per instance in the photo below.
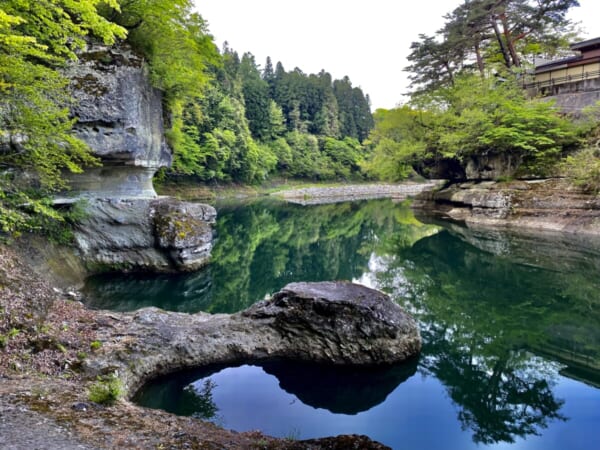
(106, 391)
(583, 168)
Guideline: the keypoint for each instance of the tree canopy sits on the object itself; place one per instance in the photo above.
(496, 35)
(254, 122)
(473, 118)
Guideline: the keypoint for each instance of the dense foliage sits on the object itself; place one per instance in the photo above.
(227, 119)
(251, 122)
(474, 118)
(36, 38)
(468, 105)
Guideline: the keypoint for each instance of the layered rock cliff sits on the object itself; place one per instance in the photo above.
(120, 116)
(551, 205)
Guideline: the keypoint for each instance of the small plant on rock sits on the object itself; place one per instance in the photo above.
(106, 390)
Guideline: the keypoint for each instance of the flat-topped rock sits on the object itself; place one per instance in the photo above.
(339, 322)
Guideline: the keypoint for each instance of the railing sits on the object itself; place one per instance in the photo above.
(562, 80)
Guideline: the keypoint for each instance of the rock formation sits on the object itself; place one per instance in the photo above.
(550, 205)
(119, 115)
(160, 234)
(335, 323)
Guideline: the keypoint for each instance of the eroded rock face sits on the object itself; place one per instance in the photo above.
(184, 230)
(339, 322)
(163, 234)
(491, 166)
(119, 115)
(549, 205)
(336, 323)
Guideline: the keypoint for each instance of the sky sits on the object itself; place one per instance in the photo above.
(366, 40)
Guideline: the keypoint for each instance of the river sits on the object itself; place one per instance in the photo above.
(510, 324)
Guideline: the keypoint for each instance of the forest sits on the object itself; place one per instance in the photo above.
(233, 119)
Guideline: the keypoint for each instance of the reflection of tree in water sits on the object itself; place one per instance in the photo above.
(262, 246)
(200, 400)
(483, 317)
(502, 397)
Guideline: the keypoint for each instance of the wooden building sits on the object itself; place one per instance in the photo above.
(572, 73)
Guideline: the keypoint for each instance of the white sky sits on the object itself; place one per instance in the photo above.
(366, 40)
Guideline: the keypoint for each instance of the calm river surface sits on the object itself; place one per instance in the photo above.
(510, 323)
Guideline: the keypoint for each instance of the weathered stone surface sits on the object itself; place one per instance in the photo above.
(339, 322)
(333, 323)
(550, 205)
(491, 166)
(120, 117)
(185, 231)
(162, 235)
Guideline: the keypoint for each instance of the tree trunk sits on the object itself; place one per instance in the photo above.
(480, 65)
(499, 37)
(509, 42)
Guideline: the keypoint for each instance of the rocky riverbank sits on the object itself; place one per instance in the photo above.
(323, 195)
(548, 205)
(53, 348)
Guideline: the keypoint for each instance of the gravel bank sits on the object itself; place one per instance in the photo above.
(322, 195)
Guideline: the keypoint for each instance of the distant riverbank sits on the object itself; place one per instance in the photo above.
(303, 192)
(333, 194)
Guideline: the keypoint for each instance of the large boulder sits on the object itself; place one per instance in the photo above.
(334, 323)
(159, 235)
(340, 323)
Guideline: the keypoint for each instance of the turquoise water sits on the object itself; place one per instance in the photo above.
(510, 323)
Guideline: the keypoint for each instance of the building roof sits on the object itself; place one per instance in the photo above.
(586, 45)
(582, 47)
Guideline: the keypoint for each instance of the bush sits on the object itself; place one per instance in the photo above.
(106, 390)
(583, 168)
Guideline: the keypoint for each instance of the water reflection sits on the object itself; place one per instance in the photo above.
(337, 390)
(486, 314)
(504, 317)
(340, 390)
(260, 248)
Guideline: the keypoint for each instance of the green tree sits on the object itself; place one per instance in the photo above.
(495, 34)
(36, 39)
(256, 98)
(178, 47)
(474, 118)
